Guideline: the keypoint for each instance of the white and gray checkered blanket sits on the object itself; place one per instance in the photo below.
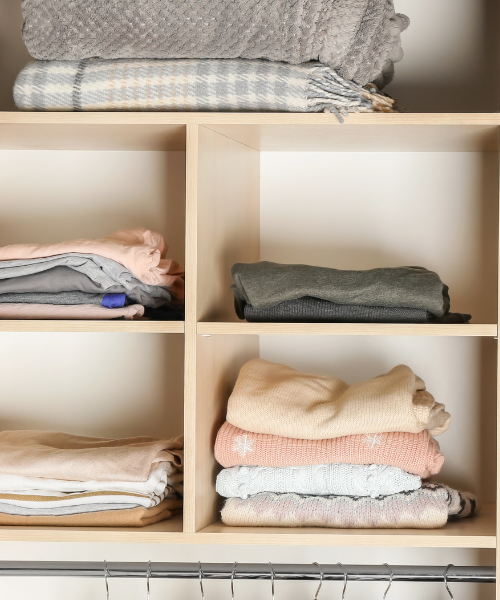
(191, 85)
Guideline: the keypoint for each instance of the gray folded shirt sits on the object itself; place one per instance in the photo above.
(264, 285)
(88, 273)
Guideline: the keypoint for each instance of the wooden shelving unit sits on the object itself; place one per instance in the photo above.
(222, 214)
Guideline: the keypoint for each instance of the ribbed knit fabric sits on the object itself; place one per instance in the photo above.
(320, 480)
(429, 507)
(416, 453)
(275, 399)
(315, 310)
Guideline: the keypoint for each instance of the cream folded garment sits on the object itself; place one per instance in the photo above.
(49, 312)
(320, 480)
(429, 507)
(416, 453)
(56, 478)
(275, 399)
(141, 251)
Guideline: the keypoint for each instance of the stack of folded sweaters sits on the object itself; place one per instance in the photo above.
(117, 276)
(216, 55)
(271, 292)
(61, 479)
(308, 450)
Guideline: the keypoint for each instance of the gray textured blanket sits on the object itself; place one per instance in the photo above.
(191, 85)
(104, 272)
(65, 279)
(358, 38)
(266, 284)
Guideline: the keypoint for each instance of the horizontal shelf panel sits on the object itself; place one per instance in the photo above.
(94, 326)
(478, 532)
(484, 330)
(267, 132)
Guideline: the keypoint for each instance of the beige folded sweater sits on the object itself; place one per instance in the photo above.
(275, 399)
(76, 458)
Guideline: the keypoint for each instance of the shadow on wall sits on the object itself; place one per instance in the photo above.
(458, 69)
(13, 53)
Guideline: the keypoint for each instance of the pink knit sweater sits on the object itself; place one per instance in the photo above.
(416, 453)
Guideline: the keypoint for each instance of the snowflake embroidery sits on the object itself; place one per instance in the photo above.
(243, 445)
(374, 440)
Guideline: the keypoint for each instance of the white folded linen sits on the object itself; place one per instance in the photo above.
(164, 474)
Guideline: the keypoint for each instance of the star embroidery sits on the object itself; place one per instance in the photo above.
(374, 440)
(243, 445)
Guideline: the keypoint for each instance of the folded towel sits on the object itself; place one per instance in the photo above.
(266, 284)
(191, 85)
(314, 310)
(275, 399)
(140, 250)
(77, 458)
(427, 508)
(113, 517)
(68, 312)
(360, 38)
(68, 298)
(320, 480)
(416, 453)
(165, 474)
(65, 279)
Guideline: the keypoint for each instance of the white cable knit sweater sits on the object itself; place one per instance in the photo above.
(319, 480)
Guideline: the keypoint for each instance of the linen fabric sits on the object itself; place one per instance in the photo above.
(162, 476)
(320, 480)
(133, 517)
(77, 458)
(315, 310)
(39, 499)
(416, 453)
(266, 284)
(276, 399)
(191, 85)
(63, 298)
(140, 250)
(429, 507)
(359, 38)
(102, 271)
(11, 509)
(63, 312)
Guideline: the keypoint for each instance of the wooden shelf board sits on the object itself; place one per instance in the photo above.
(94, 326)
(228, 328)
(477, 532)
(262, 131)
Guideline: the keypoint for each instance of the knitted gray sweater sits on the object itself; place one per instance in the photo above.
(358, 38)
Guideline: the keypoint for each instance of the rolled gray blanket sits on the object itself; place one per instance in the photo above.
(264, 285)
(358, 38)
(314, 310)
(191, 85)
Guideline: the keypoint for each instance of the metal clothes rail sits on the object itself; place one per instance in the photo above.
(171, 570)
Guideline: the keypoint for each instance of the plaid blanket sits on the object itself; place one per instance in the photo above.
(191, 85)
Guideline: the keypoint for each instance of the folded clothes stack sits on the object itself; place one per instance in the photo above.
(272, 292)
(319, 55)
(60, 479)
(119, 276)
(308, 450)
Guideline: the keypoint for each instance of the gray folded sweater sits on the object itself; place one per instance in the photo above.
(266, 284)
(358, 38)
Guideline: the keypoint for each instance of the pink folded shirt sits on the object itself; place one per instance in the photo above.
(37, 312)
(416, 453)
(139, 250)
